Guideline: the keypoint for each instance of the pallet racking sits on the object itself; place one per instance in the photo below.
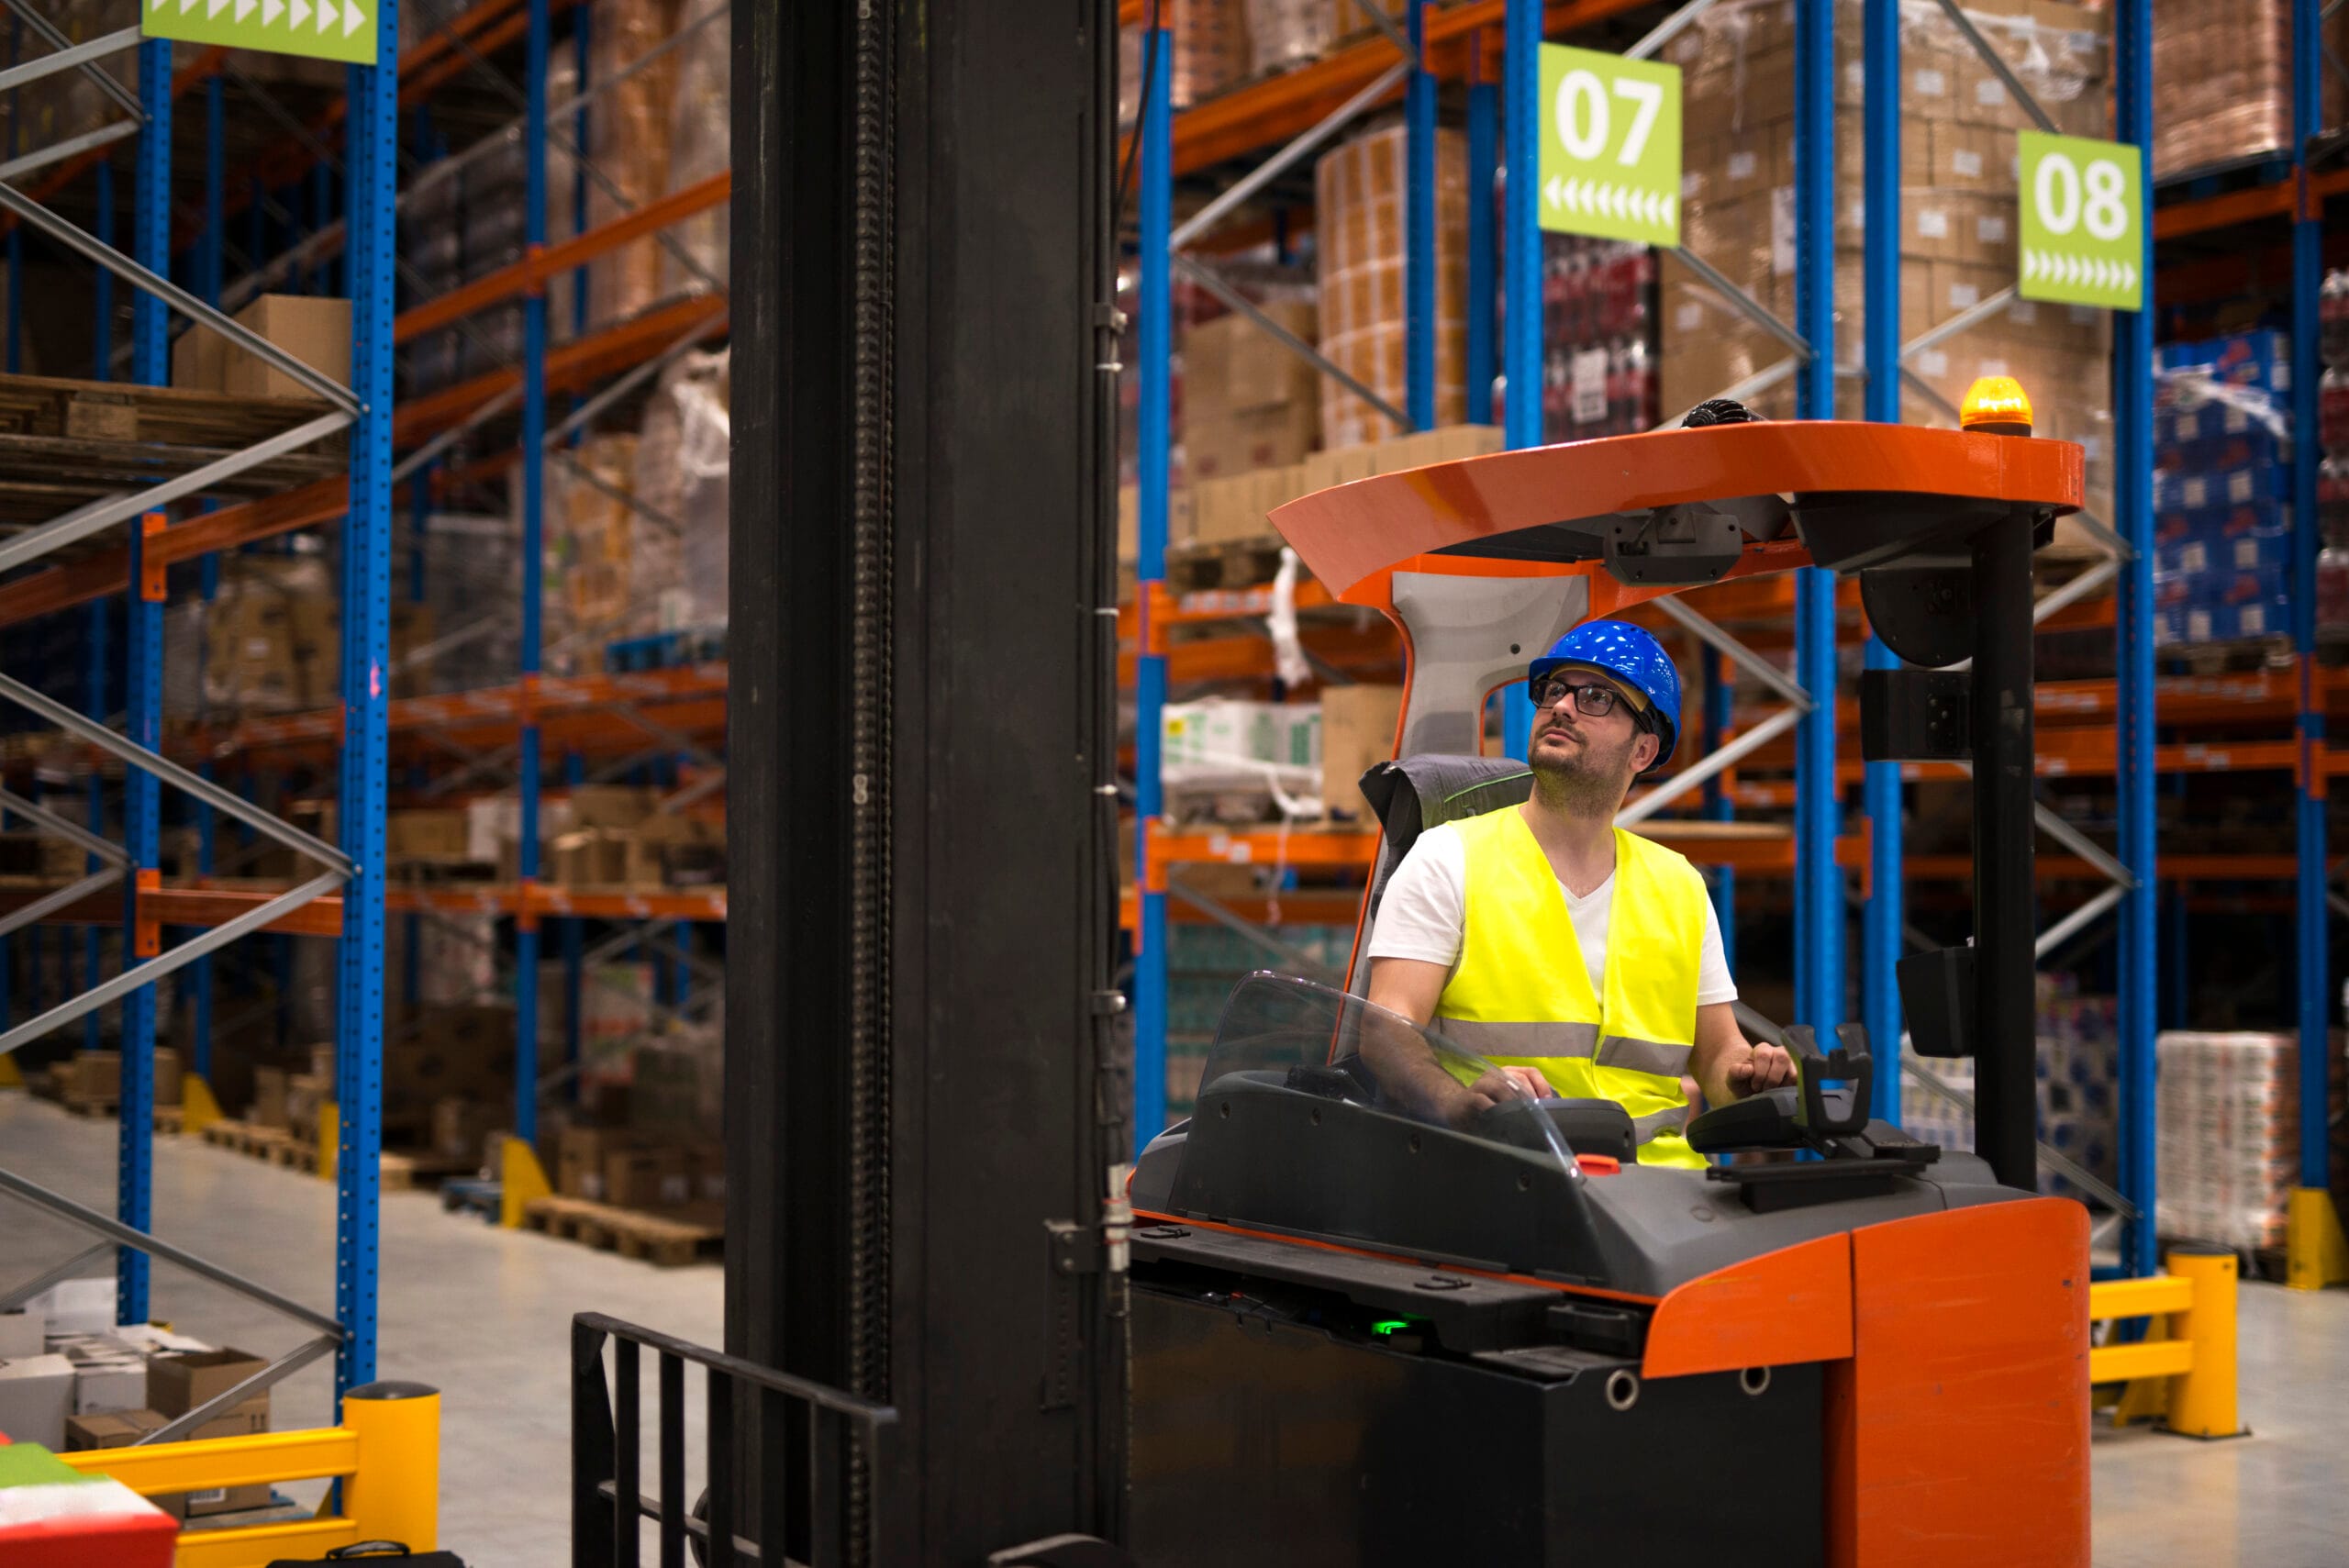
(2106, 726)
(323, 198)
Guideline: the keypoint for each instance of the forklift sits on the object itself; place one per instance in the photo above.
(1368, 1332)
(964, 1323)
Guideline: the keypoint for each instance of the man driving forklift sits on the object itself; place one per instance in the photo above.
(1583, 960)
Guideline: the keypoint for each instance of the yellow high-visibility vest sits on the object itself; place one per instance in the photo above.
(1521, 993)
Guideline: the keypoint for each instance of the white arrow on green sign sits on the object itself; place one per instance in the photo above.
(1610, 146)
(322, 29)
(2083, 229)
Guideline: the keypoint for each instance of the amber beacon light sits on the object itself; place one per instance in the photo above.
(1996, 406)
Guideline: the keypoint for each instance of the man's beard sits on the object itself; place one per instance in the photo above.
(1591, 784)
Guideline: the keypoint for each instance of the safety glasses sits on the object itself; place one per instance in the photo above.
(1594, 699)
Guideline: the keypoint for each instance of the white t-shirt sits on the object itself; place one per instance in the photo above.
(1425, 909)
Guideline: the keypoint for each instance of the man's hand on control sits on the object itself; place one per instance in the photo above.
(1762, 1067)
(1500, 1084)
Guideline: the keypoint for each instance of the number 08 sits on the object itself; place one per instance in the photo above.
(2056, 191)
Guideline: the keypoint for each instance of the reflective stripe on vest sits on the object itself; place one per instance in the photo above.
(1521, 993)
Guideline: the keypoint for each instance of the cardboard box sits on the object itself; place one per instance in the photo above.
(1231, 366)
(460, 1127)
(178, 1383)
(1239, 508)
(314, 330)
(580, 1159)
(22, 1334)
(108, 1375)
(96, 1077)
(36, 1396)
(167, 1076)
(437, 834)
(199, 355)
(110, 1429)
(611, 805)
(1357, 730)
(1243, 441)
(268, 1108)
(647, 1178)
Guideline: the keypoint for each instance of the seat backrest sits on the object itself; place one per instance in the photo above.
(1414, 793)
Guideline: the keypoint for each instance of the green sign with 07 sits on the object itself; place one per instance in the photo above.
(1610, 146)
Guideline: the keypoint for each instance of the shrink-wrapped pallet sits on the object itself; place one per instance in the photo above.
(1360, 229)
(700, 145)
(630, 129)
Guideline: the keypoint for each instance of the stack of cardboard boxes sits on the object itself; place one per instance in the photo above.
(630, 1169)
(1959, 226)
(71, 1380)
(1359, 227)
(2222, 80)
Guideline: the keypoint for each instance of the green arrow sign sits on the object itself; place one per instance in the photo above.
(2083, 221)
(1610, 146)
(323, 29)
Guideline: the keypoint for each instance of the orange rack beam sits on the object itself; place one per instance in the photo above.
(533, 270)
(569, 367)
(1266, 113)
(203, 906)
(573, 713)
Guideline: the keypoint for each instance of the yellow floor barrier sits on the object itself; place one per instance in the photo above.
(199, 1109)
(2315, 1254)
(521, 1181)
(11, 1076)
(2183, 1372)
(387, 1451)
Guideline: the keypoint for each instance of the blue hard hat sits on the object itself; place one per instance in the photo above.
(1633, 656)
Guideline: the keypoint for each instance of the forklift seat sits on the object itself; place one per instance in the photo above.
(1414, 793)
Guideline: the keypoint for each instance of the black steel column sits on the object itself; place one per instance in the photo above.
(2006, 1095)
(919, 1077)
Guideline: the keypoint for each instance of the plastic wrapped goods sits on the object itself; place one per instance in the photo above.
(2222, 81)
(1359, 193)
(630, 129)
(681, 471)
(1283, 33)
(1211, 48)
(700, 145)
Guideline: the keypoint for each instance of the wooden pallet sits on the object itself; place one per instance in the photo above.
(84, 1106)
(660, 1240)
(246, 1138)
(65, 443)
(424, 1168)
(168, 1118)
(1229, 563)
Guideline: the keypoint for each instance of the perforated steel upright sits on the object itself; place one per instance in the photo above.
(1154, 334)
(143, 691)
(2132, 451)
(1880, 262)
(1819, 883)
(2313, 883)
(534, 432)
(372, 176)
(1520, 277)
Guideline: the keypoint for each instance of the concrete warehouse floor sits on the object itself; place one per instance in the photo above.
(481, 1314)
(485, 1315)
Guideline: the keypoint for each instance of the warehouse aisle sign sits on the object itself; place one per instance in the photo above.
(2083, 231)
(322, 29)
(1610, 146)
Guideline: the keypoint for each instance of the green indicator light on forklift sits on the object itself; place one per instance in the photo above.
(1390, 1325)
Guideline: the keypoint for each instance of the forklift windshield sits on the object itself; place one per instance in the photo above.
(1290, 1037)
